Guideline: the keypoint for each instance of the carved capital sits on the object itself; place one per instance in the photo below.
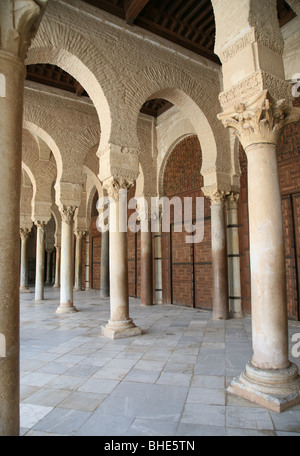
(24, 233)
(40, 224)
(80, 233)
(114, 185)
(260, 120)
(19, 21)
(217, 197)
(67, 214)
(233, 198)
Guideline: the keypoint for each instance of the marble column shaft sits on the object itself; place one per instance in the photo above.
(104, 270)
(66, 266)
(267, 259)
(78, 261)
(57, 267)
(146, 267)
(40, 261)
(219, 258)
(87, 262)
(234, 275)
(158, 266)
(11, 113)
(120, 324)
(48, 270)
(24, 260)
(269, 379)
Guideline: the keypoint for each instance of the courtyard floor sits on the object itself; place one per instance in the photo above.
(170, 381)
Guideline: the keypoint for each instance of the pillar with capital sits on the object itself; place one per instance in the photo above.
(219, 252)
(66, 267)
(257, 103)
(79, 234)
(104, 262)
(104, 268)
(234, 276)
(57, 266)
(49, 266)
(119, 168)
(269, 378)
(120, 324)
(144, 211)
(40, 260)
(87, 262)
(24, 234)
(18, 22)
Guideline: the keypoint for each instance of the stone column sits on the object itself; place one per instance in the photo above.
(233, 253)
(40, 261)
(57, 267)
(104, 270)
(158, 265)
(120, 324)
(78, 260)
(146, 267)
(66, 267)
(48, 267)
(219, 256)
(270, 378)
(17, 22)
(24, 233)
(87, 262)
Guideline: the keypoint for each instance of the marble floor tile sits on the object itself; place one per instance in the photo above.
(170, 381)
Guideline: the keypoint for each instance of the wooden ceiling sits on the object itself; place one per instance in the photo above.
(188, 23)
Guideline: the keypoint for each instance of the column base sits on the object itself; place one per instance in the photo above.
(275, 389)
(25, 290)
(56, 286)
(66, 308)
(235, 314)
(120, 329)
(104, 294)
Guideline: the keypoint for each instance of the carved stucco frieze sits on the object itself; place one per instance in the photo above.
(258, 81)
(19, 21)
(260, 120)
(264, 37)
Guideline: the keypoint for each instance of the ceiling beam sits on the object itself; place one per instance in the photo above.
(133, 9)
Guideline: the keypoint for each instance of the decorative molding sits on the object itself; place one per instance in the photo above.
(258, 81)
(258, 35)
(260, 120)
